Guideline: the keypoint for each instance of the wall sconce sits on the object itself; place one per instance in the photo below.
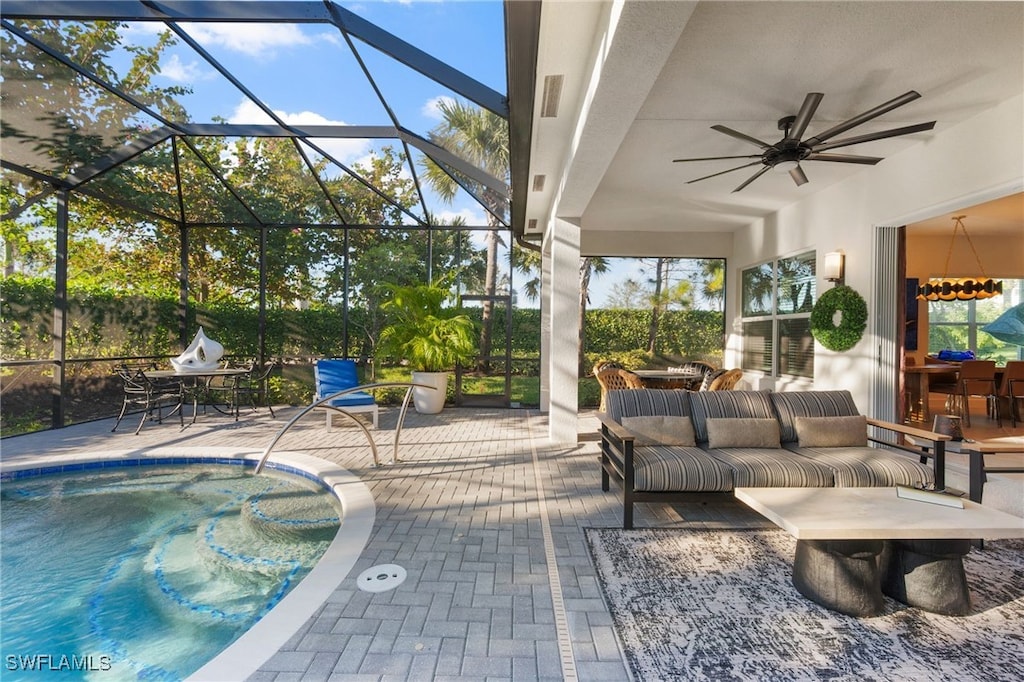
(835, 266)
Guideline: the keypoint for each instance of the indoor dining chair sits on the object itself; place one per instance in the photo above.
(975, 378)
(1011, 391)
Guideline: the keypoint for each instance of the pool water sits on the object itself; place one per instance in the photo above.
(148, 572)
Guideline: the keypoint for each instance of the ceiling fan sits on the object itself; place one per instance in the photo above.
(787, 153)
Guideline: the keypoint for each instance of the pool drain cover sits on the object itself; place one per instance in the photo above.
(381, 578)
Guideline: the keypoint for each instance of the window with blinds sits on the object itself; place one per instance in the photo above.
(776, 299)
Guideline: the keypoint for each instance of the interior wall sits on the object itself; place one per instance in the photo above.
(958, 164)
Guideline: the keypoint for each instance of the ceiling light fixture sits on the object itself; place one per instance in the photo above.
(962, 288)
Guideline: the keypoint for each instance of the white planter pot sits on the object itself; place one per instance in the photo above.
(426, 400)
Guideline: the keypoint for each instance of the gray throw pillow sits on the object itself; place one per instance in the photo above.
(660, 430)
(832, 432)
(743, 433)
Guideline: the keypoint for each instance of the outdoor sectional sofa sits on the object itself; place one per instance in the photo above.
(671, 445)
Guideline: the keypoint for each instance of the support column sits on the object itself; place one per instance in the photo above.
(563, 356)
(545, 325)
(60, 311)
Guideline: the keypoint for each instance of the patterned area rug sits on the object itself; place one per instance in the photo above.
(720, 605)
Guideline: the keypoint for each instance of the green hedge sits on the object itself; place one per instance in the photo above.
(102, 323)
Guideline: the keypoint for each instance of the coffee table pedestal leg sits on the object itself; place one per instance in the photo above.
(928, 574)
(842, 575)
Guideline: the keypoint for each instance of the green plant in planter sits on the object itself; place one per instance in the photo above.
(422, 330)
(430, 336)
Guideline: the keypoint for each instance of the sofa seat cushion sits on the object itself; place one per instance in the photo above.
(863, 467)
(664, 468)
(352, 399)
(792, 404)
(772, 468)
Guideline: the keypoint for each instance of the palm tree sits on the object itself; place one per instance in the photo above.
(481, 138)
(712, 279)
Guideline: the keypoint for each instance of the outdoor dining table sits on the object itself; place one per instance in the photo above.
(195, 382)
(664, 378)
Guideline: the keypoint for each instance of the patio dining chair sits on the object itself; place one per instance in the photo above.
(616, 379)
(252, 388)
(152, 395)
(702, 368)
(726, 381)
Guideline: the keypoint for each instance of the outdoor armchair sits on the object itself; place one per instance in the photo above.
(333, 375)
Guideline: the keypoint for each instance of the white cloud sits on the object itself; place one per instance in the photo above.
(469, 217)
(344, 150)
(253, 39)
(173, 69)
(432, 109)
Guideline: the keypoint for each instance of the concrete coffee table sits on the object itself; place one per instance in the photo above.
(853, 544)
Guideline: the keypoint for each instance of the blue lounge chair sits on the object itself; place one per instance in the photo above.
(333, 375)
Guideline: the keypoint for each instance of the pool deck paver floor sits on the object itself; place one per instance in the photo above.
(484, 514)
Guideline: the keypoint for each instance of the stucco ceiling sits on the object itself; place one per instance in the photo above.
(671, 70)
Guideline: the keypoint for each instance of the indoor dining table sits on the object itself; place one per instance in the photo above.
(919, 379)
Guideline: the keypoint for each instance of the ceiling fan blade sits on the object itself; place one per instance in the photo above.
(740, 136)
(746, 165)
(845, 158)
(804, 116)
(863, 118)
(753, 177)
(719, 158)
(798, 176)
(880, 135)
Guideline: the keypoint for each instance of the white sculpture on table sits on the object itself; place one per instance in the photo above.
(202, 354)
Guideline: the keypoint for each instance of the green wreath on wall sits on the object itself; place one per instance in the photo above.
(853, 318)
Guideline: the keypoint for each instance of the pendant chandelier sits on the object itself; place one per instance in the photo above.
(960, 288)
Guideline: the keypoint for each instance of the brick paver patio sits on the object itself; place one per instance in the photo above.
(486, 517)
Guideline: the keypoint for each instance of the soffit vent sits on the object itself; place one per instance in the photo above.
(552, 96)
(531, 225)
(538, 182)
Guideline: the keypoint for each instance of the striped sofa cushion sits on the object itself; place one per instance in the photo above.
(793, 404)
(706, 405)
(647, 402)
(664, 468)
(773, 468)
(861, 467)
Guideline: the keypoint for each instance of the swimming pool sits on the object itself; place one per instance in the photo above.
(194, 570)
